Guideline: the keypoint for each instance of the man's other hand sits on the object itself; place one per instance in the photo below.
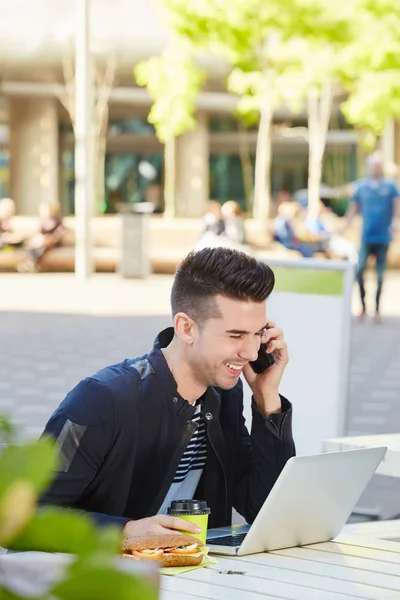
(159, 524)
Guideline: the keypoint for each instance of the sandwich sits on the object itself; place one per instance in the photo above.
(176, 550)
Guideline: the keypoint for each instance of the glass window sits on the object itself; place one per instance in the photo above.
(133, 125)
(131, 178)
(226, 178)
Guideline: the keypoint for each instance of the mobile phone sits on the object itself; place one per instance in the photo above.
(263, 362)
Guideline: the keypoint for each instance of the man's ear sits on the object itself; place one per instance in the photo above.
(184, 328)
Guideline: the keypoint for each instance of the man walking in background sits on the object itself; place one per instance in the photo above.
(376, 199)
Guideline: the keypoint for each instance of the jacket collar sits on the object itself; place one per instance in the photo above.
(160, 366)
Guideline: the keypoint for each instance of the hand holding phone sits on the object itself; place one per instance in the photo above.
(263, 361)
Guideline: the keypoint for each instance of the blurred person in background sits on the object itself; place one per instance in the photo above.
(51, 230)
(287, 233)
(376, 199)
(337, 246)
(234, 223)
(213, 226)
(8, 239)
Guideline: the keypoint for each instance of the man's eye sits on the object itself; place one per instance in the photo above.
(236, 337)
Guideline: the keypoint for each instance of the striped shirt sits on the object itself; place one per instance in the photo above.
(195, 455)
(191, 465)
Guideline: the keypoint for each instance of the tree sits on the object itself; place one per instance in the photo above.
(173, 80)
(311, 72)
(260, 94)
(247, 167)
(372, 78)
(247, 36)
(103, 83)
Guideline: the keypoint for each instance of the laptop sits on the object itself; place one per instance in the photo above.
(310, 502)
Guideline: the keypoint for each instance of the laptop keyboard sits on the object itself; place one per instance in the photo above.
(227, 540)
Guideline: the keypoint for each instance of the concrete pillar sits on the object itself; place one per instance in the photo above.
(192, 170)
(33, 152)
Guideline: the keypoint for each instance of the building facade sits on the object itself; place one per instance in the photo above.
(36, 136)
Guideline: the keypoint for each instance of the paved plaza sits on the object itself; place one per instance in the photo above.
(56, 330)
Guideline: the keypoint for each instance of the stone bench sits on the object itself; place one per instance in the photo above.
(169, 241)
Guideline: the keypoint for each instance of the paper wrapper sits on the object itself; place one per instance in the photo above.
(206, 562)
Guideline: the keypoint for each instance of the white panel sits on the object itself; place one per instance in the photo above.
(317, 331)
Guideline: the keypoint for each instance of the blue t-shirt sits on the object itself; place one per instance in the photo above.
(375, 200)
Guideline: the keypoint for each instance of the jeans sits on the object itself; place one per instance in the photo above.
(380, 252)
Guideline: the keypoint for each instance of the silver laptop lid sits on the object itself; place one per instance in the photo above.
(312, 499)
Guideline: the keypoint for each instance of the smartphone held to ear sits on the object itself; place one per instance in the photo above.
(263, 362)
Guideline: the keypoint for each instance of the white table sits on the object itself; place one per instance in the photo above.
(390, 464)
(349, 567)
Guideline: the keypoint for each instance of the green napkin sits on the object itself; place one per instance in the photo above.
(206, 562)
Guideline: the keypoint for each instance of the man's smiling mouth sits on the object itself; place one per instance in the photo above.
(234, 367)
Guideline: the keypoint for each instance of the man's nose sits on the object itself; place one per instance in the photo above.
(249, 349)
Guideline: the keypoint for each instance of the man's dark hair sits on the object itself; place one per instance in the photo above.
(210, 272)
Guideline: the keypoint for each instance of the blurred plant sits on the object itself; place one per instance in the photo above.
(249, 37)
(173, 80)
(25, 471)
(371, 68)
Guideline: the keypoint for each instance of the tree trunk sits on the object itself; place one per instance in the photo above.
(262, 185)
(247, 169)
(169, 178)
(319, 106)
(100, 158)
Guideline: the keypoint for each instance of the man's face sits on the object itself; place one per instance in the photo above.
(222, 346)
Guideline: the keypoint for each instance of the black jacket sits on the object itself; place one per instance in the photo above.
(122, 432)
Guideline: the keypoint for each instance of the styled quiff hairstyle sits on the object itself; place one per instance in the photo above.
(210, 272)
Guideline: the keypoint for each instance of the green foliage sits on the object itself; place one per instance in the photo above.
(294, 40)
(371, 66)
(60, 530)
(238, 30)
(32, 462)
(173, 80)
(374, 98)
(25, 471)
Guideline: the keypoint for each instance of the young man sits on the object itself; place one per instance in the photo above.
(377, 200)
(170, 424)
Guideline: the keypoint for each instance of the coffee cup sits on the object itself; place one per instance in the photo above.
(195, 511)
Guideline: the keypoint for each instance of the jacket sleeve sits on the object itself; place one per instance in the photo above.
(83, 430)
(261, 457)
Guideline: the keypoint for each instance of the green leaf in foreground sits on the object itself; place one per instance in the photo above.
(62, 530)
(17, 507)
(32, 462)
